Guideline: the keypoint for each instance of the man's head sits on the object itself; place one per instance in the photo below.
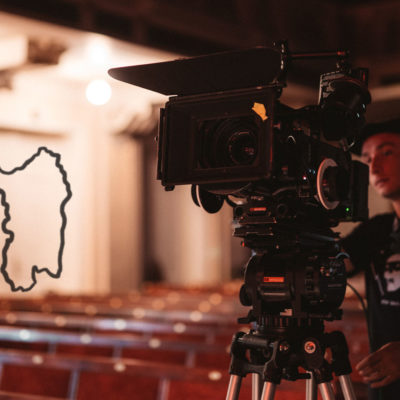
(380, 149)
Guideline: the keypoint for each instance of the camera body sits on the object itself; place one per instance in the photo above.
(244, 141)
(288, 173)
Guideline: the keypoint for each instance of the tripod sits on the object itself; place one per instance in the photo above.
(275, 353)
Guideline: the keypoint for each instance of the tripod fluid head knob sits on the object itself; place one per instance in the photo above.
(310, 347)
(244, 297)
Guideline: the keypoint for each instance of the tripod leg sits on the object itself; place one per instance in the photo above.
(326, 391)
(256, 387)
(311, 388)
(234, 387)
(347, 387)
(268, 392)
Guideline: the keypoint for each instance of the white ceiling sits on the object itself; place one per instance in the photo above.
(88, 56)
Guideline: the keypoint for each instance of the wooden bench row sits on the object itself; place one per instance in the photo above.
(116, 345)
(180, 330)
(141, 311)
(56, 377)
(27, 375)
(69, 376)
(163, 351)
(66, 348)
(352, 325)
(170, 300)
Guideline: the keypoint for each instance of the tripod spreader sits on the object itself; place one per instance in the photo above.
(274, 356)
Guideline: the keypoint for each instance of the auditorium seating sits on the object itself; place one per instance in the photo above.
(162, 344)
(94, 377)
(126, 345)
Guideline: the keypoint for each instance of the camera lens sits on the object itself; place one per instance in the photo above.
(228, 142)
(242, 148)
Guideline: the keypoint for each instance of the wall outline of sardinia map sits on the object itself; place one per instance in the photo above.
(10, 235)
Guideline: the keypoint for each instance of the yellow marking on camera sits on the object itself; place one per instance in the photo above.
(260, 110)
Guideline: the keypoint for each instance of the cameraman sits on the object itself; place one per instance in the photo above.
(374, 247)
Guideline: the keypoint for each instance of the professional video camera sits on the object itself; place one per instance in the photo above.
(289, 176)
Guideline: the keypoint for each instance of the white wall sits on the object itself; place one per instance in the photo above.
(104, 223)
(46, 106)
(47, 119)
(191, 246)
(104, 238)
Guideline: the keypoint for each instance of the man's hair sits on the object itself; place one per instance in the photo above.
(390, 126)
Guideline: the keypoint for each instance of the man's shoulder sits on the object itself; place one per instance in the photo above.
(372, 231)
(367, 239)
(380, 221)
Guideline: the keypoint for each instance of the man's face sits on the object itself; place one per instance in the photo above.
(381, 152)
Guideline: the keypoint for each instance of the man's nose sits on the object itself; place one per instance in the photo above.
(375, 165)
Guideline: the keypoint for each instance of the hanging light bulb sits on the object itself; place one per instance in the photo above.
(98, 92)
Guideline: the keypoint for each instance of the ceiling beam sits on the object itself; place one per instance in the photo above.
(370, 29)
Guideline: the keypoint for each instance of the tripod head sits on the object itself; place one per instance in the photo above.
(296, 271)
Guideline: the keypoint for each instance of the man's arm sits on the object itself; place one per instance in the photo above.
(381, 367)
(348, 265)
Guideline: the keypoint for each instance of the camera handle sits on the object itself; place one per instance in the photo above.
(272, 360)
